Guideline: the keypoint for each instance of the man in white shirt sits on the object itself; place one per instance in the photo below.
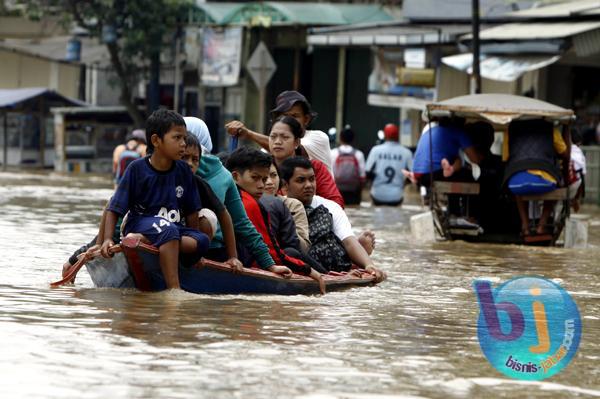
(298, 179)
(578, 164)
(291, 103)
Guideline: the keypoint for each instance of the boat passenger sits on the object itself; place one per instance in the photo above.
(447, 138)
(250, 170)
(291, 103)
(220, 180)
(272, 187)
(334, 244)
(385, 164)
(284, 139)
(212, 204)
(158, 193)
(532, 168)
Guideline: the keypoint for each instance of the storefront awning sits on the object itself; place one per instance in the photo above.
(501, 68)
(267, 13)
(391, 34)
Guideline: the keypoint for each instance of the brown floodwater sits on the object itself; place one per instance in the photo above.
(415, 335)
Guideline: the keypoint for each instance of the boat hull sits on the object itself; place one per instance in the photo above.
(138, 267)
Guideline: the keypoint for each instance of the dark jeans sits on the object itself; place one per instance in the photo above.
(384, 203)
(351, 197)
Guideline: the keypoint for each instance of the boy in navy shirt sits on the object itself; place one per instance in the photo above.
(159, 193)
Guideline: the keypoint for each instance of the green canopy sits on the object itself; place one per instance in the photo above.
(290, 13)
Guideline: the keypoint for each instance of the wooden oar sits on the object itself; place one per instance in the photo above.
(79, 264)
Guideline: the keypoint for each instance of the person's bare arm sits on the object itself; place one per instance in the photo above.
(474, 155)
(229, 239)
(359, 256)
(109, 228)
(237, 128)
(192, 221)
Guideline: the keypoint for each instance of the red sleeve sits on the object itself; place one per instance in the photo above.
(326, 187)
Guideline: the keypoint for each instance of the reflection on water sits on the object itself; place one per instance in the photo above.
(413, 336)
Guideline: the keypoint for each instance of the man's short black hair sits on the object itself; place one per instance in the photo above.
(159, 123)
(347, 136)
(288, 166)
(246, 158)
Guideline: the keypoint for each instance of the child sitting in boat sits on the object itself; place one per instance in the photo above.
(333, 243)
(295, 207)
(159, 193)
(213, 208)
(220, 180)
(250, 170)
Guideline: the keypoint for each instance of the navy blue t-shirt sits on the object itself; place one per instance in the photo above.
(145, 191)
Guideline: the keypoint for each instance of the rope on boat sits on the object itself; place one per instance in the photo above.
(87, 256)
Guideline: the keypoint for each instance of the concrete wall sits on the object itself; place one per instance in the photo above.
(21, 70)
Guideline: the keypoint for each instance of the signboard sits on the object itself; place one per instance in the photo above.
(390, 76)
(261, 66)
(221, 56)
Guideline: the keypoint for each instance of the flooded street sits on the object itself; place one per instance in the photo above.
(415, 335)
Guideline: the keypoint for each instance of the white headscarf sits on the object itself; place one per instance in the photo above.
(198, 128)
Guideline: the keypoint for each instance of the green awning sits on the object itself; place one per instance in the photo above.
(214, 13)
(290, 13)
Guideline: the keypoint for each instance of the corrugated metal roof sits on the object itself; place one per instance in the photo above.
(565, 9)
(448, 10)
(55, 48)
(12, 98)
(536, 30)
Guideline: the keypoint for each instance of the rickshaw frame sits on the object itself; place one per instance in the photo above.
(499, 110)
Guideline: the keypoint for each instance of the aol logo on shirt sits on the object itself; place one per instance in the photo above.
(529, 328)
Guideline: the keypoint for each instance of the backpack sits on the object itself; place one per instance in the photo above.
(126, 157)
(346, 172)
(326, 247)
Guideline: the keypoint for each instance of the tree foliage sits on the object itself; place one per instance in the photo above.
(141, 29)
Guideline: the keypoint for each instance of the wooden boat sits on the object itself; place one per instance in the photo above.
(135, 265)
(502, 224)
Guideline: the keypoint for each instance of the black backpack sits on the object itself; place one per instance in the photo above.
(326, 247)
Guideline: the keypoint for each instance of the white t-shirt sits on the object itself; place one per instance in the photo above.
(316, 144)
(341, 225)
(578, 159)
(346, 149)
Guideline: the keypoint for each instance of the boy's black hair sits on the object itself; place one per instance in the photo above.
(245, 158)
(159, 123)
(288, 166)
(192, 141)
(347, 136)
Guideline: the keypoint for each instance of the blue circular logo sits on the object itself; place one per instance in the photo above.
(529, 328)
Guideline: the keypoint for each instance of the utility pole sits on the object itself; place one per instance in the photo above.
(476, 76)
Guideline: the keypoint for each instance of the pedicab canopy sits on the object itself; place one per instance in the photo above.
(499, 109)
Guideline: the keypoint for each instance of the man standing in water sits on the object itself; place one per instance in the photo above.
(384, 166)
